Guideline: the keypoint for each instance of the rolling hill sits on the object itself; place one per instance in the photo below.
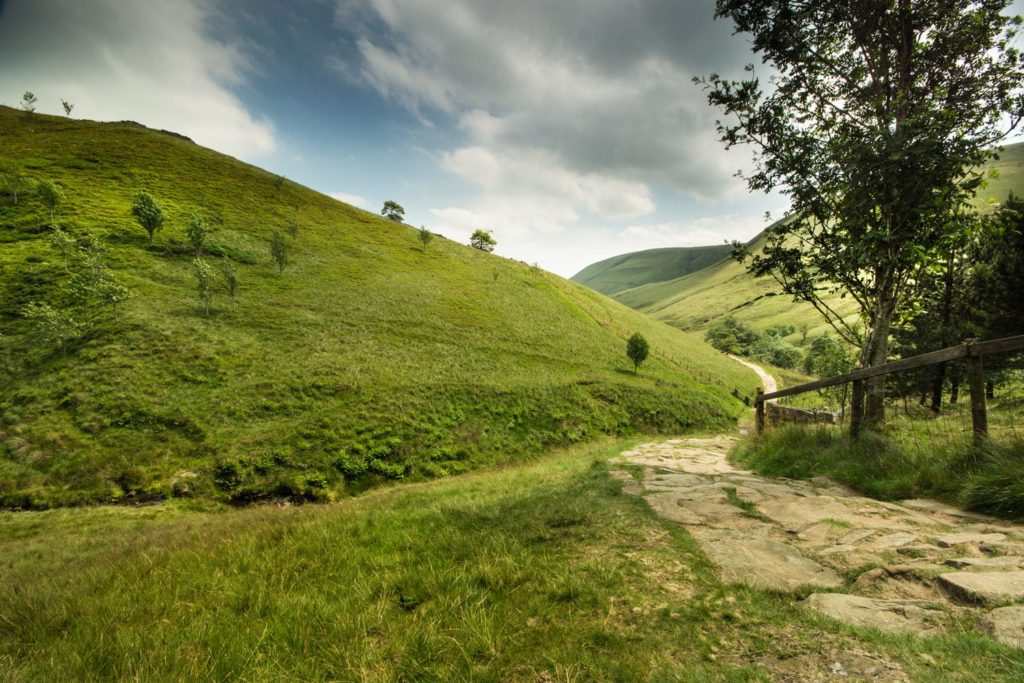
(637, 268)
(696, 300)
(366, 360)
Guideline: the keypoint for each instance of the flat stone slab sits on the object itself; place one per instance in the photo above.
(950, 540)
(1006, 624)
(765, 563)
(892, 616)
(1004, 562)
(985, 587)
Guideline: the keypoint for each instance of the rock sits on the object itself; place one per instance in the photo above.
(856, 536)
(984, 587)
(895, 540)
(1008, 562)
(893, 616)
(950, 540)
(764, 563)
(1006, 624)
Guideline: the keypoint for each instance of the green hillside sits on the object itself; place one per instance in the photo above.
(366, 360)
(652, 265)
(696, 300)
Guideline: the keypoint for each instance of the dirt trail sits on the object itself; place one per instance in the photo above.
(932, 562)
(769, 383)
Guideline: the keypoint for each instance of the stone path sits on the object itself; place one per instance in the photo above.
(927, 562)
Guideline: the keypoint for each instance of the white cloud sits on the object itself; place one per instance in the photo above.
(147, 61)
(353, 199)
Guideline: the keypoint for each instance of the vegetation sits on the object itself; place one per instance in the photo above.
(637, 350)
(877, 185)
(51, 196)
(68, 107)
(540, 572)
(28, 102)
(197, 233)
(626, 271)
(372, 364)
(393, 211)
(425, 237)
(279, 251)
(14, 179)
(204, 283)
(483, 240)
(732, 336)
(148, 214)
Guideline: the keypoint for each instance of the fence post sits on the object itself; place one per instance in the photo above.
(979, 410)
(857, 408)
(759, 410)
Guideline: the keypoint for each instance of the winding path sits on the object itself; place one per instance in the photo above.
(769, 383)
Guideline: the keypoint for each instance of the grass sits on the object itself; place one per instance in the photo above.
(696, 300)
(535, 572)
(368, 360)
(904, 462)
(652, 265)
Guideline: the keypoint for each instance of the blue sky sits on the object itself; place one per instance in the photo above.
(571, 128)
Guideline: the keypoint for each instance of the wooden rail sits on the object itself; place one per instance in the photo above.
(973, 351)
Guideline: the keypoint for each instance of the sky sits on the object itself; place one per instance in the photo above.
(569, 128)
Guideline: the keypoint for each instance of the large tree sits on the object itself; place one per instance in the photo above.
(876, 122)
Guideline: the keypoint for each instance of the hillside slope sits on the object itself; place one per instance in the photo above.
(365, 360)
(652, 265)
(696, 300)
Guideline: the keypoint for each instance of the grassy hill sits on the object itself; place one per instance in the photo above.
(698, 299)
(366, 360)
(652, 265)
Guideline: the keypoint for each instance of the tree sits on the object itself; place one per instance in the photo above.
(65, 244)
(148, 213)
(28, 102)
(51, 196)
(279, 251)
(204, 283)
(731, 336)
(876, 125)
(197, 232)
(51, 325)
(393, 211)
(637, 350)
(14, 179)
(426, 237)
(483, 240)
(68, 107)
(230, 273)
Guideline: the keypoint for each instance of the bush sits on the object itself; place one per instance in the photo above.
(731, 336)
(483, 240)
(148, 214)
(279, 251)
(773, 349)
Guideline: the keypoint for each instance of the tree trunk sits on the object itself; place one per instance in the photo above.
(954, 390)
(938, 382)
(990, 389)
(876, 352)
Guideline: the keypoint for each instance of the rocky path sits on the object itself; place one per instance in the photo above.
(915, 566)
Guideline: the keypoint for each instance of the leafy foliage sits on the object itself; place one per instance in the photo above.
(28, 102)
(230, 274)
(148, 213)
(393, 211)
(203, 273)
(425, 237)
(51, 196)
(637, 350)
(198, 232)
(279, 251)
(483, 240)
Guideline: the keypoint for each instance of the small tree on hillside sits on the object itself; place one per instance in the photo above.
(148, 213)
(51, 196)
(197, 232)
(51, 325)
(426, 237)
(68, 107)
(279, 251)
(65, 244)
(204, 283)
(230, 273)
(637, 350)
(28, 102)
(393, 211)
(14, 179)
(483, 240)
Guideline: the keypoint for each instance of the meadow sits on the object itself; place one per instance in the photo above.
(367, 360)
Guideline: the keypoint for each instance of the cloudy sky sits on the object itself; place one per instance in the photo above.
(569, 128)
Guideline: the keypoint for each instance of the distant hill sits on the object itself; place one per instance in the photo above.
(638, 268)
(696, 300)
(366, 360)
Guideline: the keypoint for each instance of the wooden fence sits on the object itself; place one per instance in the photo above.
(972, 351)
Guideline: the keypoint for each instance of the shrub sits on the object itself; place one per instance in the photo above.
(29, 101)
(426, 237)
(773, 349)
(279, 251)
(148, 213)
(14, 180)
(637, 350)
(51, 196)
(731, 336)
(65, 244)
(230, 273)
(51, 325)
(483, 240)
(204, 283)
(197, 232)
